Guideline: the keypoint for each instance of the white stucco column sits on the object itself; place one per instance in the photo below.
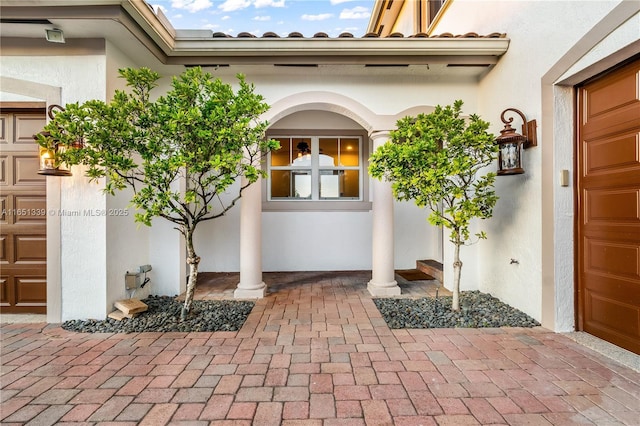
(251, 285)
(382, 269)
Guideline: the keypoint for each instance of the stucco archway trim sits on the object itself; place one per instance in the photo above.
(322, 101)
(342, 105)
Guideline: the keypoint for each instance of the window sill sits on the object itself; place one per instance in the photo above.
(316, 206)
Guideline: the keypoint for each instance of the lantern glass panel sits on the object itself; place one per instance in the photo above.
(510, 156)
(47, 159)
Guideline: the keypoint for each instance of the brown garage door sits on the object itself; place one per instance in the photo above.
(609, 207)
(23, 248)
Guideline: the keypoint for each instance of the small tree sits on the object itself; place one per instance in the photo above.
(435, 159)
(201, 133)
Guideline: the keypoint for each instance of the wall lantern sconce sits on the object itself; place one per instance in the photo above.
(49, 155)
(48, 164)
(54, 35)
(511, 143)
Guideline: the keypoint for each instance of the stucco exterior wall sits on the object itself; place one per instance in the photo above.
(127, 241)
(406, 18)
(520, 223)
(83, 237)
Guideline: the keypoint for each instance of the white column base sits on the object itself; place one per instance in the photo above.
(382, 290)
(250, 293)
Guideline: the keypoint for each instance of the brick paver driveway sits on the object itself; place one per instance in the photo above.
(315, 351)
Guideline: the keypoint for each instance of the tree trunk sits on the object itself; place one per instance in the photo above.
(457, 268)
(193, 262)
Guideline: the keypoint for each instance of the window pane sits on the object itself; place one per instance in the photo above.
(280, 183)
(339, 184)
(302, 184)
(301, 147)
(329, 184)
(291, 184)
(328, 152)
(282, 157)
(349, 152)
(350, 184)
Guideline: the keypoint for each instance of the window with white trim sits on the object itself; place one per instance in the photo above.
(316, 168)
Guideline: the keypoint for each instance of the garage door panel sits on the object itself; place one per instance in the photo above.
(612, 123)
(25, 171)
(612, 94)
(612, 154)
(30, 209)
(4, 170)
(3, 248)
(25, 127)
(603, 312)
(612, 206)
(4, 206)
(4, 128)
(31, 291)
(5, 285)
(616, 287)
(612, 258)
(30, 248)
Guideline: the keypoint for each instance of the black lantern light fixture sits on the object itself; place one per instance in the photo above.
(50, 154)
(511, 143)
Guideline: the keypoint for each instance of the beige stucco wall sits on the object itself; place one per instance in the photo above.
(533, 221)
(89, 249)
(127, 242)
(82, 245)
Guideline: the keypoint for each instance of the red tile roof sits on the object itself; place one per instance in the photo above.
(296, 34)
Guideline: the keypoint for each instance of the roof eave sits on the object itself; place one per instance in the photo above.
(187, 47)
(347, 51)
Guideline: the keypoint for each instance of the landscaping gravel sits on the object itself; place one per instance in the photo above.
(163, 315)
(477, 310)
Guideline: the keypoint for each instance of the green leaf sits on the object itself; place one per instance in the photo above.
(438, 160)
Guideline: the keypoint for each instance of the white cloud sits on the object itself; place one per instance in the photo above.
(191, 5)
(231, 5)
(178, 16)
(320, 17)
(262, 18)
(334, 2)
(268, 3)
(210, 26)
(357, 12)
(225, 17)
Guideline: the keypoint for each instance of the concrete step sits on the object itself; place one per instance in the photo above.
(430, 267)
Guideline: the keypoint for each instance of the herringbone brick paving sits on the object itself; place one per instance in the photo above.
(315, 351)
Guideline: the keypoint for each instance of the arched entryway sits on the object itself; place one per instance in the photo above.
(322, 229)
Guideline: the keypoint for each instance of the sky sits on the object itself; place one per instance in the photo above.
(260, 16)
